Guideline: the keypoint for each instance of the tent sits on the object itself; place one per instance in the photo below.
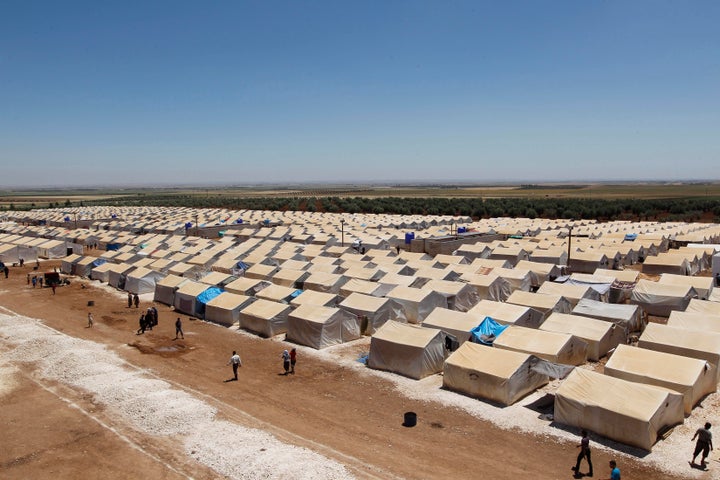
(543, 271)
(142, 280)
(452, 322)
(628, 316)
(325, 282)
(551, 346)
(508, 313)
(572, 292)
(664, 263)
(225, 308)
(408, 350)
(487, 332)
(501, 376)
(600, 336)
(489, 287)
(543, 303)
(165, 289)
(704, 306)
(355, 285)
(689, 343)
(118, 273)
(102, 272)
(373, 311)
(587, 262)
(313, 297)
(460, 296)
(84, 266)
(246, 286)
(704, 322)
(265, 317)
(417, 303)
(320, 327)
(702, 285)
(278, 293)
(660, 299)
(186, 298)
(690, 377)
(289, 277)
(623, 411)
(66, 265)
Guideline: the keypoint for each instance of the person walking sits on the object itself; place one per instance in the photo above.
(34, 281)
(614, 471)
(178, 329)
(293, 360)
(235, 362)
(53, 286)
(40, 281)
(90, 320)
(584, 447)
(6, 270)
(136, 300)
(143, 324)
(704, 444)
(130, 300)
(286, 361)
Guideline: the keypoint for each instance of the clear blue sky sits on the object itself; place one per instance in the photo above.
(175, 92)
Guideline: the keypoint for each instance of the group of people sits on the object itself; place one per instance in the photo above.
(703, 445)
(133, 299)
(289, 359)
(148, 320)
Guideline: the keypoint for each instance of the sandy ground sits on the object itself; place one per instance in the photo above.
(105, 402)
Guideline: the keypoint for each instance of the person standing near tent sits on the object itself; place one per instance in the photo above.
(90, 320)
(614, 471)
(136, 300)
(293, 360)
(286, 361)
(235, 362)
(704, 444)
(130, 300)
(584, 447)
(178, 329)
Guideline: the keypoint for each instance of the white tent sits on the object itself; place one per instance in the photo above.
(600, 336)
(493, 374)
(186, 298)
(452, 322)
(489, 287)
(460, 296)
(508, 314)
(704, 322)
(265, 317)
(690, 377)
(628, 316)
(277, 293)
(320, 327)
(142, 280)
(702, 285)
(417, 303)
(704, 306)
(409, 350)
(627, 412)
(660, 299)
(165, 289)
(552, 346)
(543, 303)
(313, 297)
(373, 311)
(325, 282)
(225, 308)
(102, 272)
(689, 343)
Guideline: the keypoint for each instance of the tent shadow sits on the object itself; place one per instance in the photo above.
(596, 438)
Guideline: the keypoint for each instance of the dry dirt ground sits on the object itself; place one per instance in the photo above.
(53, 430)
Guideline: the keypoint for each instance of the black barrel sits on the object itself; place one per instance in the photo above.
(410, 419)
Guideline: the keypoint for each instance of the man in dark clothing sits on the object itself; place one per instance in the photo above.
(584, 447)
(178, 329)
(704, 444)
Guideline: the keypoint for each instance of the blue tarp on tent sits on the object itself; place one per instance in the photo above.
(295, 293)
(99, 262)
(209, 294)
(487, 331)
(112, 246)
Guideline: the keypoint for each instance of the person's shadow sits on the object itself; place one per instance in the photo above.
(230, 380)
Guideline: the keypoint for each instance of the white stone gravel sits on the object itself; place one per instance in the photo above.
(155, 407)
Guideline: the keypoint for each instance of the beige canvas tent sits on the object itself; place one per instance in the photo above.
(690, 377)
(660, 299)
(409, 350)
(628, 316)
(704, 306)
(489, 287)
(373, 311)
(452, 322)
(627, 412)
(704, 322)
(459, 295)
(225, 308)
(165, 289)
(501, 376)
(690, 343)
(545, 304)
(552, 346)
(417, 303)
(312, 297)
(572, 292)
(325, 282)
(600, 336)
(508, 314)
(702, 285)
(320, 327)
(265, 318)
